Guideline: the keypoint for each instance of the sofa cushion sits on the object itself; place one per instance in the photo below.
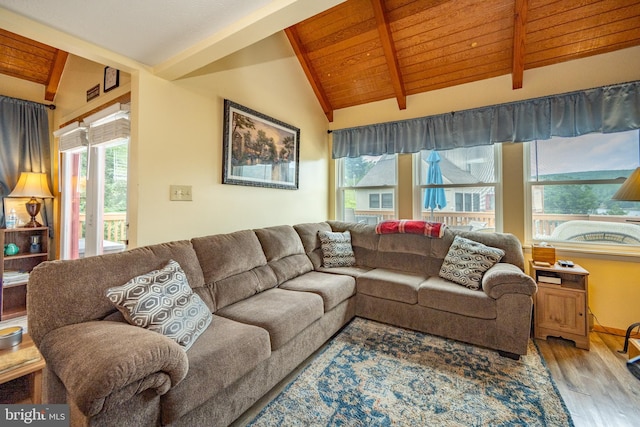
(70, 281)
(284, 252)
(441, 294)
(282, 313)
(333, 288)
(467, 260)
(163, 302)
(364, 241)
(225, 352)
(234, 267)
(308, 233)
(336, 249)
(354, 271)
(391, 284)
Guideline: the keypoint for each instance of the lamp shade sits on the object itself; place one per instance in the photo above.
(630, 190)
(31, 184)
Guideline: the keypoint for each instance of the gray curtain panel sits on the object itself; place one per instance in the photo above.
(24, 147)
(605, 109)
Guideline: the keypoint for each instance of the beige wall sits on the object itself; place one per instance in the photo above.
(614, 280)
(177, 139)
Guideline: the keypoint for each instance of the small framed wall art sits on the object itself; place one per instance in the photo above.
(258, 150)
(111, 78)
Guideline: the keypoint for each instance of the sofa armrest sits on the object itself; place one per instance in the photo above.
(504, 278)
(102, 363)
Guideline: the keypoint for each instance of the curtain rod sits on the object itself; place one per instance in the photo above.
(49, 106)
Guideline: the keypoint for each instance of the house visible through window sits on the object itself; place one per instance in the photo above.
(367, 188)
(458, 186)
(571, 182)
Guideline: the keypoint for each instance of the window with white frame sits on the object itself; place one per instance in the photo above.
(459, 186)
(367, 188)
(570, 186)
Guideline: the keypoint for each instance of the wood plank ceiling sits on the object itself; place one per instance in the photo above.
(363, 51)
(33, 61)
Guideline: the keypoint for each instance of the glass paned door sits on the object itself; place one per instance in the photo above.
(94, 200)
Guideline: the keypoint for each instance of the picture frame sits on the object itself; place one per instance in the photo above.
(258, 150)
(111, 78)
(18, 203)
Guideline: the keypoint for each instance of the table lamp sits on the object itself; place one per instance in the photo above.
(34, 185)
(630, 189)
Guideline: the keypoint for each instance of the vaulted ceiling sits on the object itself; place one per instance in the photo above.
(363, 51)
(33, 61)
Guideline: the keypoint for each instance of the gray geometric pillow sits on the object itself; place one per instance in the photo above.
(162, 301)
(467, 261)
(336, 249)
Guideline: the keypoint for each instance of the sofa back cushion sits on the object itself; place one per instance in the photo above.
(66, 292)
(507, 242)
(284, 252)
(364, 241)
(308, 233)
(234, 267)
(416, 253)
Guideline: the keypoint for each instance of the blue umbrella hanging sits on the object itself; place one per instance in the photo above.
(434, 197)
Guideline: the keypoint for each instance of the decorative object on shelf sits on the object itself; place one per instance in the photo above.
(111, 78)
(33, 185)
(10, 337)
(34, 247)
(11, 249)
(259, 151)
(12, 219)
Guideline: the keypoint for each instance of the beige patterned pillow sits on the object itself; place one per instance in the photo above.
(467, 261)
(162, 301)
(336, 249)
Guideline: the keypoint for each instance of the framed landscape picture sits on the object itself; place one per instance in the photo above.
(258, 150)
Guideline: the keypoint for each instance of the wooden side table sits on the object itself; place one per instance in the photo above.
(561, 303)
(22, 360)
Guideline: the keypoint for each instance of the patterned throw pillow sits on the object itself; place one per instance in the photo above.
(336, 249)
(162, 301)
(467, 261)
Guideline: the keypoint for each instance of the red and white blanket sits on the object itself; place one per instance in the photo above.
(429, 229)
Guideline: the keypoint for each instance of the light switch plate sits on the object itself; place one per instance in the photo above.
(180, 193)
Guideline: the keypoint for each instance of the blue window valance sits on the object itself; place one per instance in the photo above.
(606, 109)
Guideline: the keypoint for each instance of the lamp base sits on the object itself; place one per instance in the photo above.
(33, 208)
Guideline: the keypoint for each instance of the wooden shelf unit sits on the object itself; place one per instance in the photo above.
(13, 295)
(561, 310)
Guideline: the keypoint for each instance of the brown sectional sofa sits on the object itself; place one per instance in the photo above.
(274, 304)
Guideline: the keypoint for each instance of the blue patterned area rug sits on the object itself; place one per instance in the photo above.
(373, 374)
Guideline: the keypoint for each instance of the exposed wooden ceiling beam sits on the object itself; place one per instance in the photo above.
(390, 53)
(304, 60)
(519, 36)
(54, 75)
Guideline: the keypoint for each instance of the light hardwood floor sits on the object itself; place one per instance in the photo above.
(596, 385)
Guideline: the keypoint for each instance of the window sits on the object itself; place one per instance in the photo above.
(94, 184)
(458, 186)
(571, 182)
(375, 200)
(367, 188)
